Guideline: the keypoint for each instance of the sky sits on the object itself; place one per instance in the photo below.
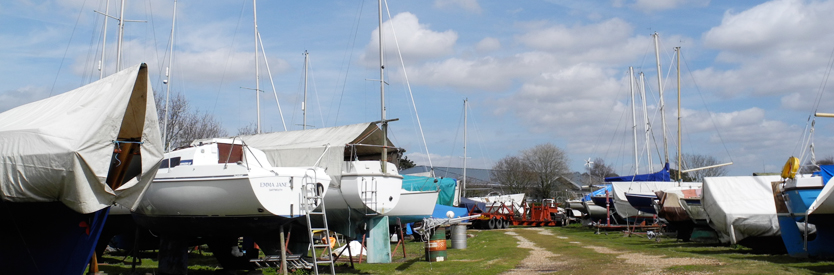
(534, 72)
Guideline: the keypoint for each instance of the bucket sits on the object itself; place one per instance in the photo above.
(436, 247)
(459, 236)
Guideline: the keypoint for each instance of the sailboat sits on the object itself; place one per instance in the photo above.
(64, 161)
(220, 189)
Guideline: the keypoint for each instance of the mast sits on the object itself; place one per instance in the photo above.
(646, 125)
(678, 63)
(662, 104)
(257, 74)
(464, 147)
(382, 96)
(104, 40)
(168, 81)
(121, 33)
(304, 104)
(633, 119)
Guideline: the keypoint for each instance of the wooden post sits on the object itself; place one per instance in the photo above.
(283, 253)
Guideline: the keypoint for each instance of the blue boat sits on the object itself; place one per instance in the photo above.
(807, 221)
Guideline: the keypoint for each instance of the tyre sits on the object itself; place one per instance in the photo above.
(492, 223)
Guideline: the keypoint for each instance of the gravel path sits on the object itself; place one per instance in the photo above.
(541, 261)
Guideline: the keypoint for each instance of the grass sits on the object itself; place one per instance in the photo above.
(494, 252)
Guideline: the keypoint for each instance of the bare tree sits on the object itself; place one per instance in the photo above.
(184, 124)
(513, 174)
(547, 162)
(695, 161)
(811, 167)
(596, 173)
(249, 129)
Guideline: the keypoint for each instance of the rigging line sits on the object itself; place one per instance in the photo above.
(299, 86)
(269, 72)
(709, 113)
(315, 89)
(349, 55)
(405, 74)
(87, 74)
(478, 136)
(611, 143)
(72, 34)
(228, 55)
(599, 135)
(454, 144)
(824, 81)
(156, 51)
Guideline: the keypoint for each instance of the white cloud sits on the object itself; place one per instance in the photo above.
(488, 44)
(20, 96)
(660, 5)
(468, 5)
(416, 41)
(776, 48)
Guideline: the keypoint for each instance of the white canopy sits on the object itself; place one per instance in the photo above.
(333, 145)
(61, 148)
(741, 207)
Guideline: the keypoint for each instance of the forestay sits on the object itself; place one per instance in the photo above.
(60, 148)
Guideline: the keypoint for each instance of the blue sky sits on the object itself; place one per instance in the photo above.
(533, 71)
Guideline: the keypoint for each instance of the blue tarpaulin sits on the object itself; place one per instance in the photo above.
(419, 183)
(826, 171)
(662, 175)
(599, 192)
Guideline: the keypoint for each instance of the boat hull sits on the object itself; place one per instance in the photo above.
(413, 206)
(47, 238)
(642, 202)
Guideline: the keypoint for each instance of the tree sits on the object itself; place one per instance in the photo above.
(596, 173)
(513, 174)
(696, 161)
(405, 163)
(249, 129)
(546, 162)
(810, 167)
(185, 125)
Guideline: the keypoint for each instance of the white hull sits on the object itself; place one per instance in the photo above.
(198, 191)
(413, 206)
(364, 191)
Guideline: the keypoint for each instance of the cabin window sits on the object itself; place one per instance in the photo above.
(229, 153)
(172, 162)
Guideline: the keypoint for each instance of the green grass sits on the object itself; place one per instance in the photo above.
(494, 252)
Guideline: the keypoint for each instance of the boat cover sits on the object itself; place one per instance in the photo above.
(327, 147)
(624, 208)
(740, 207)
(662, 175)
(420, 183)
(60, 148)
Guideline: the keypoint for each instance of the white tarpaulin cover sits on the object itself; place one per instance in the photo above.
(305, 147)
(60, 148)
(740, 207)
(625, 210)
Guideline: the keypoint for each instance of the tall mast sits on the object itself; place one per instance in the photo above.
(168, 81)
(382, 96)
(121, 34)
(464, 147)
(678, 63)
(662, 104)
(304, 104)
(257, 74)
(633, 119)
(646, 125)
(104, 40)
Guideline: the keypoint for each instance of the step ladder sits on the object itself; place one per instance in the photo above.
(369, 195)
(312, 196)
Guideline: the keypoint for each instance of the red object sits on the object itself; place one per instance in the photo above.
(85, 226)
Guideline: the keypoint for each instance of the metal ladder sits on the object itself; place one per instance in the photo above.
(311, 197)
(369, 195)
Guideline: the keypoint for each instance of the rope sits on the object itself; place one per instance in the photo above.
(350, 58)
(72, 34)
(714, 125)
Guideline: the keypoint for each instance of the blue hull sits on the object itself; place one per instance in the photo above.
(47, 238)
(600, 201)
(800, 199)
(819, 245)
(642, 202)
